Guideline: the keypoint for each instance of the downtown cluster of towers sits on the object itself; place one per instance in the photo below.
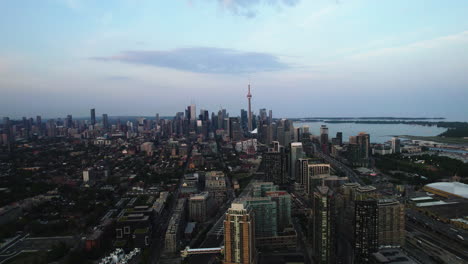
(183, 123)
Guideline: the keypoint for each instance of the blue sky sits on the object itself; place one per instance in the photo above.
(303, 57)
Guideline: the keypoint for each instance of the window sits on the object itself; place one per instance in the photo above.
(127, 230)
(119, 233)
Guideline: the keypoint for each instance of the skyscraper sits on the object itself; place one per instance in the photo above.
(39, 124)
(26, 126)
(249, 98)
(69, 121)
(263, 133)
(93, 116)
(244, 120)
(193, 112)
(366, 220)
(302, 171)
(283, 204)
(265, 210)
(280, 134)
(239, 234)
(323, 234)
(51, 128)
(7, 130)
(221, 119)
(157, 120)
(235, 132)
(359, 149)
(391, 223)
(296, 153)
(363, 140)
(39, 121)
(396, 145)
(323, 134)
(339, 136)
(317, 174)
(105, 121)
(276, 165)
(297, 134)
(263, 115)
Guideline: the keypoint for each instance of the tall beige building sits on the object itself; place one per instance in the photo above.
(391, 223)
(239, 234)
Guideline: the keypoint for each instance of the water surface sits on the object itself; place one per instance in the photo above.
(379, 133)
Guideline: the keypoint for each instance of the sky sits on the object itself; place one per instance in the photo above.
(303, 58)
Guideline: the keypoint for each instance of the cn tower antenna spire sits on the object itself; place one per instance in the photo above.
(249, 98)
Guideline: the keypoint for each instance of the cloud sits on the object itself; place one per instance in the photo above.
(248, 8)
(202, 60)
(117, 78)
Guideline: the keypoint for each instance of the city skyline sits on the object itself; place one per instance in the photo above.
(388, 59)
(233, 131)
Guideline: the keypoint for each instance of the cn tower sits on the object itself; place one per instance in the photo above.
(249, 97)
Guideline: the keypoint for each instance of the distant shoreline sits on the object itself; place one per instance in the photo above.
(367, 118)
(444, 124)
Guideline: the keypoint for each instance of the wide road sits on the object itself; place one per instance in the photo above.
(338, 165)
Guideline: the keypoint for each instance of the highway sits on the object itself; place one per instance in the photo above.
(337, 165)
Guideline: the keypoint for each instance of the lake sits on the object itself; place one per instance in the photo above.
(379, 133)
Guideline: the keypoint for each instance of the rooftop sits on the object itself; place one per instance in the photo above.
(368, 188)
(296, 144)
(421, 198)
(433, 203)
(455, 188)
(200, 196)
